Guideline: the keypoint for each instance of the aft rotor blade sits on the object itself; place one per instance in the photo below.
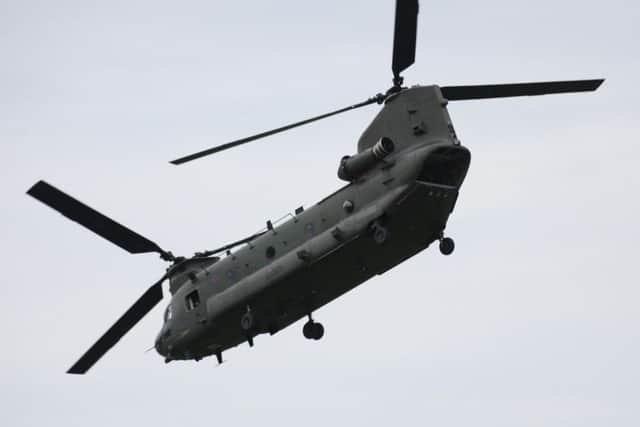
(103, 226)
(404, 37)
(228, 145)
(138, 310)
(458, 93)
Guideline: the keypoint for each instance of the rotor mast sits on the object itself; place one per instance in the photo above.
(404, 40)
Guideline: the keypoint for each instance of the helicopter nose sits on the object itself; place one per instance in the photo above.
(159, 347)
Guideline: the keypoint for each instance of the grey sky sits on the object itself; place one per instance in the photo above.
(533, 321)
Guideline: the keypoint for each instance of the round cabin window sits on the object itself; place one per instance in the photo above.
(270, 252)
(309, 229)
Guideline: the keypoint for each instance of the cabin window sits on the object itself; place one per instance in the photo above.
(231, 274)
(270, 252)
(192, 300)
(309, 229)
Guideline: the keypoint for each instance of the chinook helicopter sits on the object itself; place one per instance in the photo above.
(402, 186)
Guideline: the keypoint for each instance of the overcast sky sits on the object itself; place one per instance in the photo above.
(533, 321)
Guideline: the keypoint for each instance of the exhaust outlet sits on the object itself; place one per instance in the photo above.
(353, 167)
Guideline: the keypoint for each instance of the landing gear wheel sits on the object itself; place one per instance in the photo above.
(313, 330)
(318, 331)
(307, 330)
(447, 246)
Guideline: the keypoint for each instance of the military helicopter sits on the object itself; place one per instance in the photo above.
(402, 186)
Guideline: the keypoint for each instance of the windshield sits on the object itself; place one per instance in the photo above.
(168, 313)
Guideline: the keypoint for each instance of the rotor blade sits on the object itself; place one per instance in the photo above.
(138, 310)
(404, 37)
(93, 220)
(458, 93)
(377, 98)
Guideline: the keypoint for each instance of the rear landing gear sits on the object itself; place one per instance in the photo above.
(446, 245)
(313, 330)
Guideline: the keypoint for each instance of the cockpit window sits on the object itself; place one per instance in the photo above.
(192, 300)
(168, 313)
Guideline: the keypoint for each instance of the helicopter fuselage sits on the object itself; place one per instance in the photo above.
(390, 213)
(404, 182)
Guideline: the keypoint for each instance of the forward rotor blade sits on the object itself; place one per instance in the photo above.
(138, 310)
(228, 145)
(103, 226)
(458, 93)
(404, 37)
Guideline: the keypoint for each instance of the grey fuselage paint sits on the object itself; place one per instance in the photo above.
(326, 250)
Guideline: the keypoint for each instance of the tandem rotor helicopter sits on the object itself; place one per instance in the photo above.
(402, 185)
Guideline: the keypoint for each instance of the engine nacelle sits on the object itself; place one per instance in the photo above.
(352, 167)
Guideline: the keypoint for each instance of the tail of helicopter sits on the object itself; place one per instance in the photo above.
(419, 115)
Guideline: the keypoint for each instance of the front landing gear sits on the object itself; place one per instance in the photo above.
(313, 330)
(446, 245)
